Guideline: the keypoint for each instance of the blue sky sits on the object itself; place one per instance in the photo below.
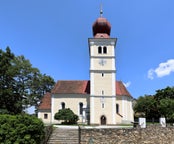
(54, 34)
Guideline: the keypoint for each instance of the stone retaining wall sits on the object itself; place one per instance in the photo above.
(153, 134)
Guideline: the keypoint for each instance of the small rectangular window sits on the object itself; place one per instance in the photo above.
(45, 116)
(103, 105)
(102, 74)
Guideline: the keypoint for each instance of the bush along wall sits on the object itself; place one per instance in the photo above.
(21, 129)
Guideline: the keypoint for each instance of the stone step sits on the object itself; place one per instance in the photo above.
(62, 142)
(64, 136)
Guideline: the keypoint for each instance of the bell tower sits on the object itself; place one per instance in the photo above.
(102, 74)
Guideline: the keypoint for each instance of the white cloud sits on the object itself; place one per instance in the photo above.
(163, 69)
(150, 74)
(127, 84)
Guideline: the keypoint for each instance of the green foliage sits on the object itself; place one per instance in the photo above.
(21, 85)
(9, 98)
(21, 129)
(168, 92)
(166, 108)
(165, 102)
(31, 84)
(67, 115)
(159, 105)
(146, 105)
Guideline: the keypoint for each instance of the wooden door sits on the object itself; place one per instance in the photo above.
(103, 120)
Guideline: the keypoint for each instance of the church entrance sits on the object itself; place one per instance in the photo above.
(103, 120)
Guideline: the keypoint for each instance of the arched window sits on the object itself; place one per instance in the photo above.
(104, 49)
(117, 108)
(99, 49)
(81, 108)
(63, 105)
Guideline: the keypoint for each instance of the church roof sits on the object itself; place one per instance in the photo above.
(121, 89)
(76, 87)
(72, 87)
(45, 102)
(83, 87)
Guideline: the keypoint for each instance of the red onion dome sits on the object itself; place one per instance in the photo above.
(101, 26)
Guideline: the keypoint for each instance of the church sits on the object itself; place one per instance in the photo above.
(99, 101)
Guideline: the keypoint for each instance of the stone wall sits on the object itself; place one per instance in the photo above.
(153, 134)
(48, 131)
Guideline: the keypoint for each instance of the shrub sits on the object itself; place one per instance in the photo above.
(67, 115)
(21, 129)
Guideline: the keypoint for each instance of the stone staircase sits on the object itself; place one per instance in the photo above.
(64, 135)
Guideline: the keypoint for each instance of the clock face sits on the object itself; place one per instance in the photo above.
(102, 62)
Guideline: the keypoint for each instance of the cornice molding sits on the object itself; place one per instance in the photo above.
(102, 96)
(102, 41)
(105, 57)
(101, 71)
(44, 110)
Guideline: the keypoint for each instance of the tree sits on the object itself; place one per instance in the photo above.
(10, 99)
(21, 84)
(67, 115)
(24, 79)
(159, 105)
(32, 85)
(165, 102)
(41, 84)
(147, 106)
(167, 92)
(166, 108)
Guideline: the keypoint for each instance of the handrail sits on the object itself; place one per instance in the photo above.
(120, 115)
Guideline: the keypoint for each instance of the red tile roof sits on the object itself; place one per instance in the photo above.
(45, 102)
(83, 87)
(76, 87)
(121, 89)
(72, 87)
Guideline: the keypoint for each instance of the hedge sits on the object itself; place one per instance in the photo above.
(20, 129)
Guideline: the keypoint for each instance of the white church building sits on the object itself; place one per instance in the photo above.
(99, 101)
